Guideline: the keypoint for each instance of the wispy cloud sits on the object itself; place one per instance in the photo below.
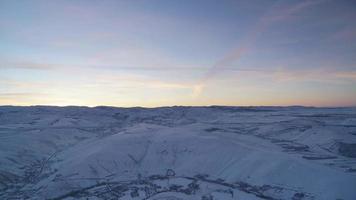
(295, 75)
(115, 66)
(18, 94)
(277, 13)
(12, 64)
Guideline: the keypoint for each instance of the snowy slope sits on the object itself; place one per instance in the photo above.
(177, 153)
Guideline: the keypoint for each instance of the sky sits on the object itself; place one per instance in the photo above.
(181, 52)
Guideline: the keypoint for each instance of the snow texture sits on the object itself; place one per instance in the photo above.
(173, 153)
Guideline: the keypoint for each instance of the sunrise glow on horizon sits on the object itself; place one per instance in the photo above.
(155, 53)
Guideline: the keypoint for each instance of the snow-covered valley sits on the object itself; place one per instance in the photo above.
(171, 153)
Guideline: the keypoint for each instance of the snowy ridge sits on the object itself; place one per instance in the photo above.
(177, 153)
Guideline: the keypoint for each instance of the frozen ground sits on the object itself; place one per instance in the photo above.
(173, 153)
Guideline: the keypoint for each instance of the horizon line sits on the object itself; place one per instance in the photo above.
(168, 106)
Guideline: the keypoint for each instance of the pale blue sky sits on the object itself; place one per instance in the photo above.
(157, 53)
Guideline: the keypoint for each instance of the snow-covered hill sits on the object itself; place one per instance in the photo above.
(177, 153)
